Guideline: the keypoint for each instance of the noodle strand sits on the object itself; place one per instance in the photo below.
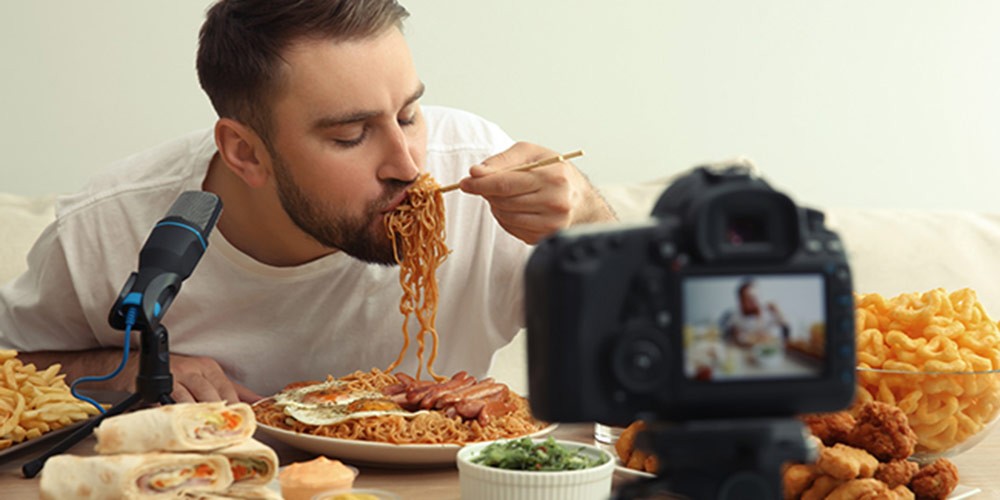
(416, 229)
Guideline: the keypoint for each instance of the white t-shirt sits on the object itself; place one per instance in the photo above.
(268, 326)
(755, 328)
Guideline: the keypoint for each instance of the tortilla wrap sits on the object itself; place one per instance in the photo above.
(176, 427)
(129, 476)
(253, 450)
(248, 492)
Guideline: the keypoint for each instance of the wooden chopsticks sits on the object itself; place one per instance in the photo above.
(527, 166)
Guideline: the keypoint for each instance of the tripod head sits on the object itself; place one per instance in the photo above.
(733, 459)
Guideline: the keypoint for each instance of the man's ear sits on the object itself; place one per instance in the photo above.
(243, 152)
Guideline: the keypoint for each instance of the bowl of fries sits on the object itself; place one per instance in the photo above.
(936, 356)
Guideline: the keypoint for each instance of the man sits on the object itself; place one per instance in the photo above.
(752, 324)
(320, 133)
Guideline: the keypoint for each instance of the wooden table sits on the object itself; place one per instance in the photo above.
(978, 468)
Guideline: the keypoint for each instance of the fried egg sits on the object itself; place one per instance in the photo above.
(332, 402)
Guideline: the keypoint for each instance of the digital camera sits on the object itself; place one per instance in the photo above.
(730, 302)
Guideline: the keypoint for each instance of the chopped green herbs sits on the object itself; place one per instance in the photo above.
(524, 454)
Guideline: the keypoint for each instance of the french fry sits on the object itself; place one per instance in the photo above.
(34, 402)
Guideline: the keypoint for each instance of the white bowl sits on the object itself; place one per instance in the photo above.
(480, 482)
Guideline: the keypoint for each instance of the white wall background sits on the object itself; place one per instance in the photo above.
(888, 103)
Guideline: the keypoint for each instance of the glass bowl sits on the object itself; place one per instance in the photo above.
(490, 483)
(950, 412)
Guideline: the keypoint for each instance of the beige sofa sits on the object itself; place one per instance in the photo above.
(891, 251)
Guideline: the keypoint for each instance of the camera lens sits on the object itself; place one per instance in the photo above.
(639, 360)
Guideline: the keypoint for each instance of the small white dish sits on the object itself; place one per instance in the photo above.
(481, 482)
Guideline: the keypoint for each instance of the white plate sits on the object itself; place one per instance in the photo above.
(961, 492)
(625, 471)
(373, 453)
(619, 465)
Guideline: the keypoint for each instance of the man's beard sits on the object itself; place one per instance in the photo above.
(363, 237)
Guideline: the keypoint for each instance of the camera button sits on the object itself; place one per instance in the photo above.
(847, 326)
(813, 246)
(845, 301)
(835, 246)
(663, 319)
(664, 250)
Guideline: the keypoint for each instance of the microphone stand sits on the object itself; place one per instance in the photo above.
(168, 257)
(153, 384)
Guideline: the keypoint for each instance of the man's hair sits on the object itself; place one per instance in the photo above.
(241, 44)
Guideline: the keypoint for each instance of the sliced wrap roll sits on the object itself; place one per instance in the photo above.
(250, 492)
(252, 462)
(149, 475)
(176, 427)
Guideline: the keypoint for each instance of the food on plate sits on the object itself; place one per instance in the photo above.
(350, 496)
(525, 454)
(846, 462)
(304, 480)
(416, 228)
(176, 427)
(936, 480)
(629, 455)
(830, 428)
(867, 463)
(216, 457)
(860, 489)
(34, 402)
(251, 461)
(133, 476)
(796, 478)
(883, 430)
(820, 488)
(244, 492)
(897, 472)
(391, 409)
(935, 332)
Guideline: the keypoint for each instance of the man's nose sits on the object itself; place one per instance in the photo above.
(398, 162)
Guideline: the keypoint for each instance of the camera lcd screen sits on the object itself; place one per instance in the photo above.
(749, 327)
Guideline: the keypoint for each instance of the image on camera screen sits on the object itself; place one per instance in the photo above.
(743, 327)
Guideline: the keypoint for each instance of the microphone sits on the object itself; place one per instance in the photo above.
(170, 254)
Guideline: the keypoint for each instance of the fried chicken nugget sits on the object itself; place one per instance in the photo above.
(651, 464)
(797, 478)
(831, 428)
(637, 460)
(903, 493)
(861, 489)
(626, 441)
(821, 487)
(935, 481)
(896, 472)
(883, 430)
(845, 462)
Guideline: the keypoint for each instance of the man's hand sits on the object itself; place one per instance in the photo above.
(202, 379)
(195, 378)
(535, 203)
